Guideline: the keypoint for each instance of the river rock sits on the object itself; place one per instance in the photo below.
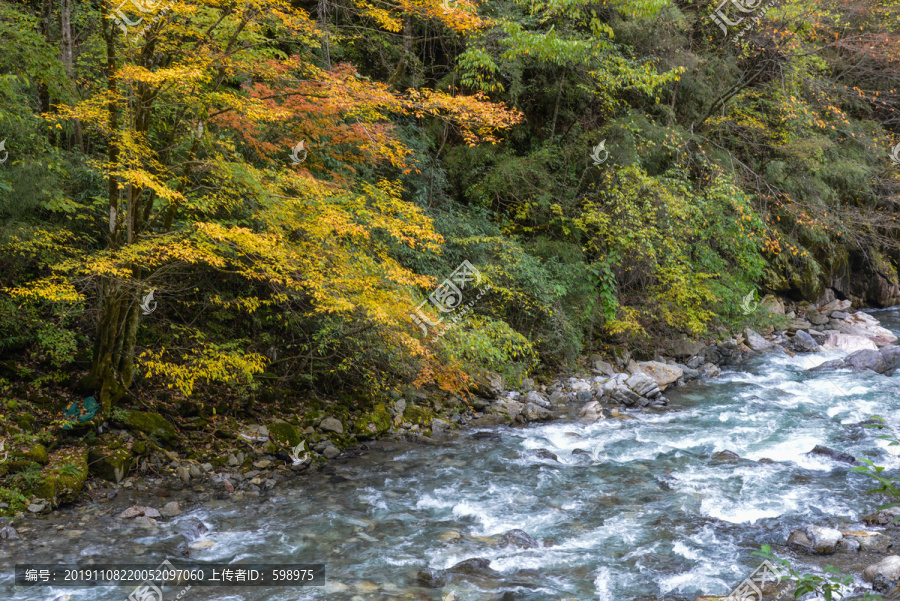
(889, 567)
(832, 454)
(726, 457)
(559, 398)
(772, 304)
(331, 452)
(331, 424)
(139, 510)
(537, 398)
(430, 578)
(518, 538)
(824, 540)
(477, 566)
(579, 385)
(545, 454)
(661, 373)
(804, 343)
(709, 370)
(642, 385)
(508, 407)
(869, 541)
(488, 384)
(170, 510)
(621, 394)
(536, 413)
(7, 532)
(847, 342)
(816, 318)
(882, 517)
(684, 347)
(602, 367)
(884, 361)
(591, 412)
(755, 341)
(183, 473)
(799, 540)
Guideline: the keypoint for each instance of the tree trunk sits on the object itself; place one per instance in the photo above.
(113, 366)
(68, 51)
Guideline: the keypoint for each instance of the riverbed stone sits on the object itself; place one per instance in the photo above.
(755, 341)
(883, 361)
(661, 373)
(868, 540)
(331, 424)
(833, 454)
(824, 540)
(625, 396)
(109, 463)
(642, 385)
(684, 347)
(847, 342)
(431, 578)
(709, 370)
(772, 304)
(602, 367)
(591, 412)
(799, 540)
(537, 398)
(882, 517)
(331, 452)
(804, 343)
(536, 413)
(507, 407)
(518, 538)
(170, 510)
(889, 567)
(477, 566)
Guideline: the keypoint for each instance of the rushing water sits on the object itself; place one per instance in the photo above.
(647, 515)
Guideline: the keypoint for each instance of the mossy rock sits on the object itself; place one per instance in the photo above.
(15, 466)
(373, 423)
(418, 415)
(37, 453)
(27, 422)
(285, 433)
(62, 480)
(139, 447)
(111, 464)
(312, 418)
(152, 424)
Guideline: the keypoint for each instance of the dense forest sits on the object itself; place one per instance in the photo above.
(342, 197)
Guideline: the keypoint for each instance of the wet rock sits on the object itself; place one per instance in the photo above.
(866, 540)
(726, 456)
(518, 538)
(848, 545)
(477, 566)
(331, 424)
(798, 540)
(756, 342)
(7, 532)
(544, 454)
(883, 586)
(662, 374)
(430, 578)
(138, 511)
(824, 540)
(537, 398)
(889, 567)
(170, 510)
(834, 455)
(492, 436)
(804, 343)
(882, 517)
(535, 413)
(709, 370)
(192, 529)
(331, 452)
(623, 395)
(884, 361)
(195, 471)
(591, 412)
(145, 522)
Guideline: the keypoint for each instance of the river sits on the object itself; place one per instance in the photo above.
(645, 513)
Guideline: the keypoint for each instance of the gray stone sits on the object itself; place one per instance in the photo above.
(838, 315)
(803, 342)
(183, 473)
(518, 538)
(559, 398)
(848, 342)
(756, 342)
(662, 374)
(488, 384)
(398, 407)
(866, 540)
(439, 426)
(643, 385)
(331, 424)
(686, 348)
(207, 467)
(262, 431)
(602, 367)
(817, 319)
(889, 567)
(537, 398)
(623, 395)
(331, 452)
(799, 540)
(36, 507)
(536, 413)
(195, 471)
(170, 510)
(824, 540)
(7, 532)
(591, 412)
(884, 361)
(232, 460)
(507, 407)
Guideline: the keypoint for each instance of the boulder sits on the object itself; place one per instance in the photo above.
(889, 567)
(373, 423)
(867, 540)
(661, 373)
(153, 425)
(884, 361)
(816, 318)
(602, 367)
(800, 541)
(591, 412)
(855, 325)
(559, 398)
(579, 385)
(755, 341)
(476, 566)
(111, 464)
(804, 343)
(284, 433)
(684, 347)
(430, 578)
(486, 383)
(642, 385)
(507, 407)
(170, 510)
(798, 324)
(623, 395)
(537, 398)
(331, 424)
(835, 455)
(536, 413)
(772, 304)
(518, 538)
(709, 370)
(847, 342)
(883, 517)
(824, 540)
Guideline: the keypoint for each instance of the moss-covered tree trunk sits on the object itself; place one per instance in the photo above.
(113, 364)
